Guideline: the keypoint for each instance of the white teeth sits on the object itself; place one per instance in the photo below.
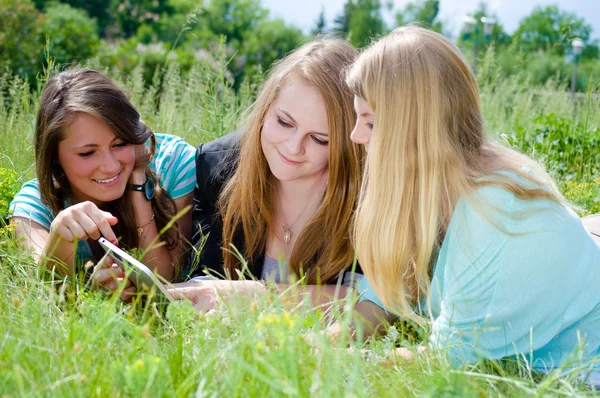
(107, 181)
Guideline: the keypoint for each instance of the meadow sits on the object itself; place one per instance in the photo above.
(64, 339)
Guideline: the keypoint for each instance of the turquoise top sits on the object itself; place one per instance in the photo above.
(535, 290)
(173, 163)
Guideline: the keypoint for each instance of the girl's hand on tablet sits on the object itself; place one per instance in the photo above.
(83, 221)
(110, 275)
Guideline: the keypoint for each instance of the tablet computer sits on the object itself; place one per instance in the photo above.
(140, 275)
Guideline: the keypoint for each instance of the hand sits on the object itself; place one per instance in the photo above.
(205, 295)
(110, 275)
(83, 221)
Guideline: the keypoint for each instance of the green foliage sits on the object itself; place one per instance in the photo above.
(96, 9)
(360, 21)
(423, 13)
(365, 22)
(100, 347)
(20, 37)
(8, 189)
(72, 33)
(130, 14)
(550, 29)
(569, 149)
(586, 195)
(320, 27)
(272, 40)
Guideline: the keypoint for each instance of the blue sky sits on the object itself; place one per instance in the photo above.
(303, 13)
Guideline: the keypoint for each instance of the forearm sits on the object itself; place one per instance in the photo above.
(318, 295)
(157, 256)
(58, 254)
(48, 250)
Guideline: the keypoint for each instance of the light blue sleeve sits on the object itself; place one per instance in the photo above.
(28, 204)
(511, 282)
(366, 293)
(175, 166)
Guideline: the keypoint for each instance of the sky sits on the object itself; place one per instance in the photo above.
(303, 13)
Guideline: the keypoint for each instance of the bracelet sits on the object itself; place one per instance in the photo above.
(140, 229)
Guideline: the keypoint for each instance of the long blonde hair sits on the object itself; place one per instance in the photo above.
(323, 248)
(427, 150)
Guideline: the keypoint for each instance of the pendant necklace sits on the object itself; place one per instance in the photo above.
(287, 234)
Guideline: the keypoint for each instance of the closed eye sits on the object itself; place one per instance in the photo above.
(122, 144)
(283, 123)
(85, 154)
(318, 140)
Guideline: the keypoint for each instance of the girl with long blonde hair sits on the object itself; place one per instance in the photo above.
(281, 192)
(459, 231)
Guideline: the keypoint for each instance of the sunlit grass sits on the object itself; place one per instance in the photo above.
(65, 340)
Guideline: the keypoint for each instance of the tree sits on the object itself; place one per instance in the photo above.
(360, 21)
(234, 19)
(424, 12)
(131, 14)
(342, 21)
(21, 43)
(550, 29)
(72, 34)
(320, 24)
(97, 9)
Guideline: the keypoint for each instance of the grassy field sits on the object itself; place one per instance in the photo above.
(67, 340)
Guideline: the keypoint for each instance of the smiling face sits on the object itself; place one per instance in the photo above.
(365, 117)
(96, 162)
(295, 133)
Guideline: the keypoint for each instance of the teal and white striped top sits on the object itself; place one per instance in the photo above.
(173, 163)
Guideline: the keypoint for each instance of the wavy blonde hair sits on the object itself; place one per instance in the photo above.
(247, 202)
(427, 150)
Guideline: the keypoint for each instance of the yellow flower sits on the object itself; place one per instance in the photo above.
(139, 364)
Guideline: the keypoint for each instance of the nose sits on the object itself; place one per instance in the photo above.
(360, 135)
(109, 163)
(294, 144)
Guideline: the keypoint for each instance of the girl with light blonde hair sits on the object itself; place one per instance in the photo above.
(455, 229)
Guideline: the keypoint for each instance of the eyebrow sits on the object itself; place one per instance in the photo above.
(365, 114)
(294, 120)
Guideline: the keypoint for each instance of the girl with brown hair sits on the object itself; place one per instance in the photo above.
(102, 172)
(282, 191)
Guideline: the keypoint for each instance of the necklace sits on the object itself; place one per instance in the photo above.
(287, 227)
(287, 234)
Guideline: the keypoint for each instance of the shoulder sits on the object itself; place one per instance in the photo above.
(167, 145)
(28, 203)
(216, 160)
(174, 164)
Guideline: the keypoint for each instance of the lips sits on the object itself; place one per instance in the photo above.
(109, 181)
(287, 160)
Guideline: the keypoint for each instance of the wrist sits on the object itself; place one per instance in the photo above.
(138, 176)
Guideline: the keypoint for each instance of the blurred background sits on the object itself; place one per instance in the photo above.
(535, 37)
(193, 67)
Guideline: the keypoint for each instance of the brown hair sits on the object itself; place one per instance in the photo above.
(247, 201)
(88, 91)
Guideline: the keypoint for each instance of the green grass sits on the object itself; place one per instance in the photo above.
(66, 340)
